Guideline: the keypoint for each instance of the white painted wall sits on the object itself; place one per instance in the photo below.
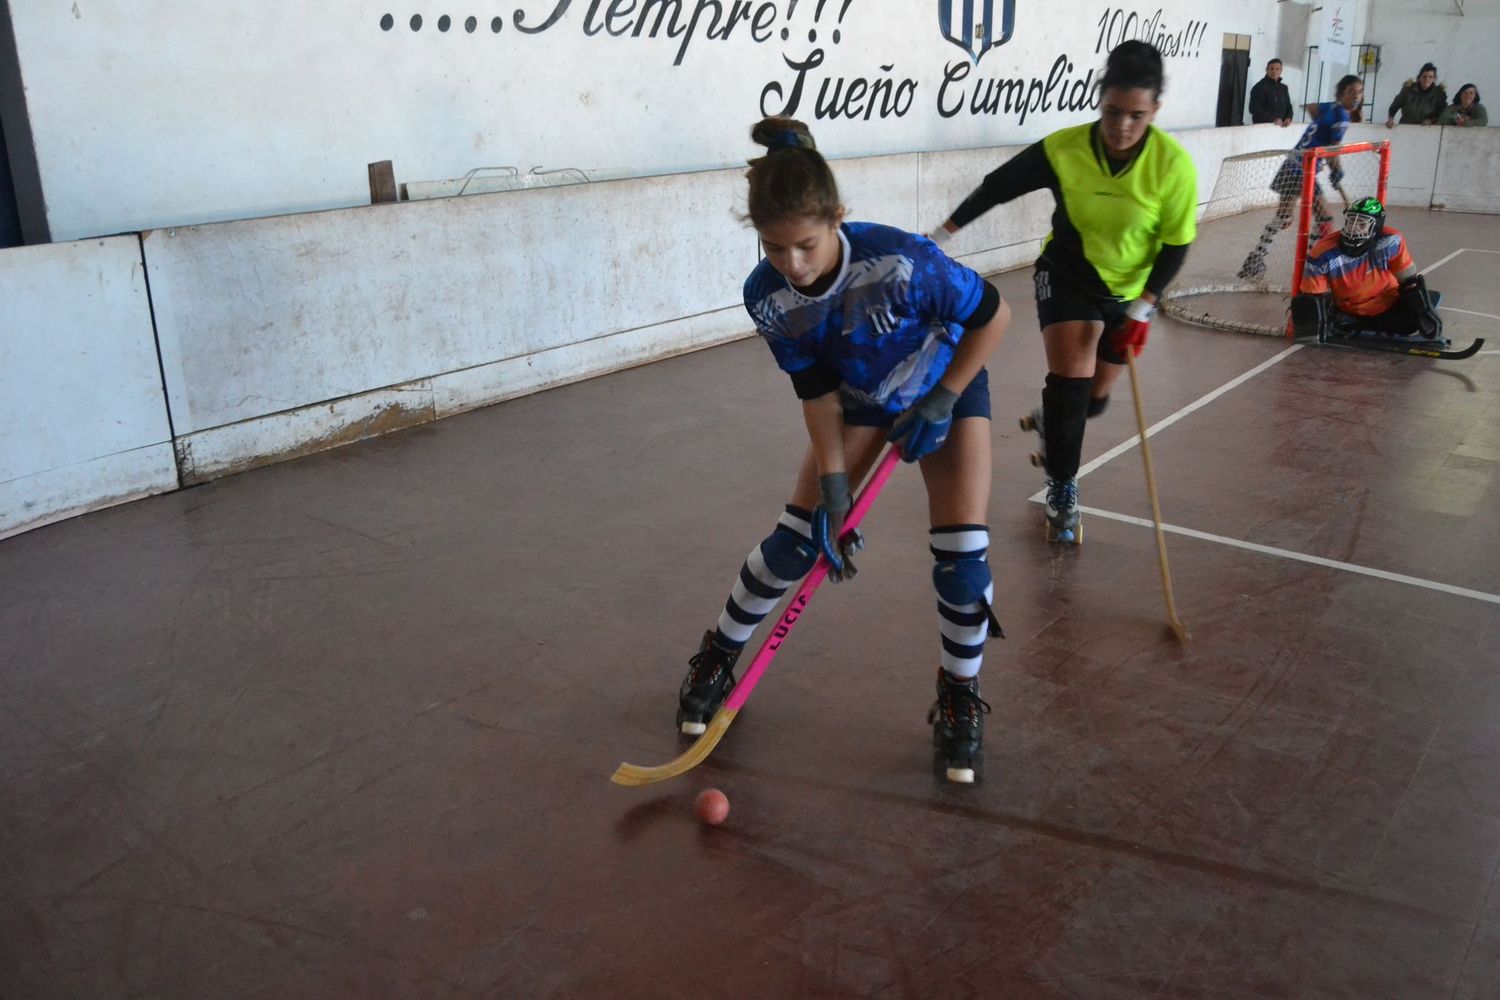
(1468, 170)
(82, 419)
(285, 335)
(157, 113)
(1461, 42)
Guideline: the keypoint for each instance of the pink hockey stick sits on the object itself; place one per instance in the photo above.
(632, 774)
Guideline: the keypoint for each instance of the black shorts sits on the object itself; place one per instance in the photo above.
(1060, 301)
(973, 402)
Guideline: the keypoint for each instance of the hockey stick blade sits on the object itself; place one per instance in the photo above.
(634, 774)
(1414, 350)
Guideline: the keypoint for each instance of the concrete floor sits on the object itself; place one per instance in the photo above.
(342, 727)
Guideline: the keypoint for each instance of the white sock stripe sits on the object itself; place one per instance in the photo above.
(800, 525)
(971, 540)
(733, 630)
(749, 603)
(962, 669)
(967, 635)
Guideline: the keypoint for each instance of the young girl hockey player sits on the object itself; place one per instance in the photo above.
(1126, 202)
(884, 338)
(1326, 129)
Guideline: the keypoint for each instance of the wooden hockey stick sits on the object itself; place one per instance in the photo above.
(633, 774)
(1178, 629)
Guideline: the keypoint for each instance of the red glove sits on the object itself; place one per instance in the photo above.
(1132, 332)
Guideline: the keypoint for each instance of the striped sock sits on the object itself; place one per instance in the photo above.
(783, 558)
(964, 627)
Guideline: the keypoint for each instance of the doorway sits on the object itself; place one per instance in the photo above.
(1234, 77)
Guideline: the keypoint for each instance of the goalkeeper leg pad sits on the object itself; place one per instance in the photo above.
(1310, 316)
(1421, 304)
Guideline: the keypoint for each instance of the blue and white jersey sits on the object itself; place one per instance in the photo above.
(887, 325)
(1327, 129)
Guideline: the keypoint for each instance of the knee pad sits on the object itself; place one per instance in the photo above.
(787, 554)
(1310, 316)
(1106, 351)
(962, 581)
(1422, 304)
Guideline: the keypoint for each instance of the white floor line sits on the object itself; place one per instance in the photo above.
(1196, 404)
(1443, 260)
(1379, 574)
(1467, 312)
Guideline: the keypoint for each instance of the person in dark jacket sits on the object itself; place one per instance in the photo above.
(1465, 109)
(1269, 100)
(1420, 102)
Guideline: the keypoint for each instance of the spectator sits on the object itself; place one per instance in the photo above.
(1465, 109)
(1269, 100)
(1420, 101)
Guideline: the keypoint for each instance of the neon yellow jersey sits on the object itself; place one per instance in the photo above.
(1107, 228)
(1121, 220)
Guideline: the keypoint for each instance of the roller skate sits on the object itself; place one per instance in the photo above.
(709, 680)
(1033, 422)
(1064, 522)
(957, 719)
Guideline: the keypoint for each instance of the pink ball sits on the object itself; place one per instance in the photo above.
(712, 806)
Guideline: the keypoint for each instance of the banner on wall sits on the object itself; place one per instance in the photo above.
(1333, 36)
(822, 72)
(548, 89)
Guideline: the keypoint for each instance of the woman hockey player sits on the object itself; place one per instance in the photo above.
(884, 337)
(1327, 129)
(1126, 202)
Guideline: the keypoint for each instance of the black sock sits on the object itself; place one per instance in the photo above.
(1097, 405)
(1065, 407)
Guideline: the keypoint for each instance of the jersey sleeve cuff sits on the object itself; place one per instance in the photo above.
(817, 379)
(989, 304)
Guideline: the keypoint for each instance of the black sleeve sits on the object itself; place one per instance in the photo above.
(817, 379)
(1258, 110)
(1168, 263)
(1028, 171)
(1284, 99)
(989, 304)
(1396, 104)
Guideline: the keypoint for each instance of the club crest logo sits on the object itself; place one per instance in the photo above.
(976, 26)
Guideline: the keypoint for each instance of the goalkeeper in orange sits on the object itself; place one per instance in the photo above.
(1362, 280)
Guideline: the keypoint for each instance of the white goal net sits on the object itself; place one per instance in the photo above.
(1242, 270)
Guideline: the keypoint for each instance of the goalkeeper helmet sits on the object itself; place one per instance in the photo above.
(1363, 222)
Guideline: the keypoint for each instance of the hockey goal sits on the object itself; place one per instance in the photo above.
(1267, 208)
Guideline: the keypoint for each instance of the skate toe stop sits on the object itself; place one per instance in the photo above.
(694, 728)
(961, 775)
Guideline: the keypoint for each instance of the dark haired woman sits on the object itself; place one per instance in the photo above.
(1126, 202)
(884, 338)
(1465, 111)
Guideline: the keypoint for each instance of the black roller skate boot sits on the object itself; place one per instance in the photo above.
(709, 680)
(958, 729)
